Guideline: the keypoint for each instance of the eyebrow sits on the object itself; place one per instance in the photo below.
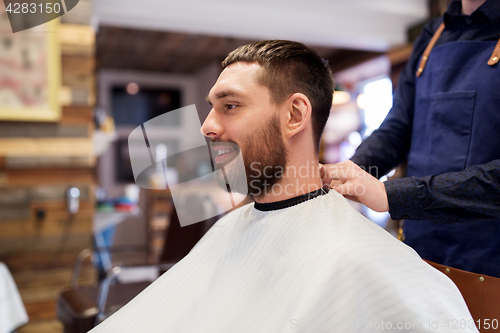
(223, 94)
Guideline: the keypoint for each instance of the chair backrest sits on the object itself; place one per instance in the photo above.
(180, 240)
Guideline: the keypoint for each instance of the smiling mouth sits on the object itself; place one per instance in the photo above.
(225, 152)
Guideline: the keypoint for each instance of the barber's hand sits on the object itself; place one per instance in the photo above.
(348, 179)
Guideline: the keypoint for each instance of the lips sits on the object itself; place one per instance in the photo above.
(225, 152)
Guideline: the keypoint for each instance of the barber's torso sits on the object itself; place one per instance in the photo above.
(456, 124)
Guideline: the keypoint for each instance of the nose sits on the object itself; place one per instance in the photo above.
(211, 126)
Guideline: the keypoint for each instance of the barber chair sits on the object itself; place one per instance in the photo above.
(80, 308)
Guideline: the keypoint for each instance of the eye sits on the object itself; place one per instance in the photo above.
(230, 106)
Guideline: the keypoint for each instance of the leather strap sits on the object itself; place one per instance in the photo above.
(494, 59)
(428, 49)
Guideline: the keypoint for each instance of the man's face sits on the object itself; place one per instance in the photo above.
(244, 117)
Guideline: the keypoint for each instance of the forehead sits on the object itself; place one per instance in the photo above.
(240, 78)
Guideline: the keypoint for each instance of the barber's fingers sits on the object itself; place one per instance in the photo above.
(369, 191)
(352, 190)
(332, 183)
(322, 170)
(352, 198)
(345, 190)
(331, 172)
(343, 171)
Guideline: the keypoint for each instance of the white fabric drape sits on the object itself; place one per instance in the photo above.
(12, 311)
(316, 266)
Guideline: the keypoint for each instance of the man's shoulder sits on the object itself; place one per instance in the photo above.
(334, 219)
(333, 209)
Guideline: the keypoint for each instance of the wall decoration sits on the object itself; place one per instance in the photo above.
(30, 72)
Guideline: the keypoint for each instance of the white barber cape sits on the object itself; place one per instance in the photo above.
(313, 267)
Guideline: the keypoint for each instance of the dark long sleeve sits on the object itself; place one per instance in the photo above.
(471, 194)
(466, 196)
(388, 146)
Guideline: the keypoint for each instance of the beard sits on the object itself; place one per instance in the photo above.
(264, 160)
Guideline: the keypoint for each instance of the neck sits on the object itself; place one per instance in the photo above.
(299, 177)
(470, 6)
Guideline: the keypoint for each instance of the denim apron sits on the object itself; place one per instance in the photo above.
(456, 124)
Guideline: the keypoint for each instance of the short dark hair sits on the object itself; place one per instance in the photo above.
(290, 67)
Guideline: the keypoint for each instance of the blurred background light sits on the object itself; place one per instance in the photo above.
(132, 88)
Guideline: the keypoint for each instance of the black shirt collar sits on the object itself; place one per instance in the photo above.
(489, 10)
(265, 207)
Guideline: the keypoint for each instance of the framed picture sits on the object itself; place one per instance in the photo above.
(30, 72)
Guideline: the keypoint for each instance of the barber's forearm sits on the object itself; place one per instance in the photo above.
(470, 195)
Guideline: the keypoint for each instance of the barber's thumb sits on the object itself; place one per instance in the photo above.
(343, 189)
(322, 171)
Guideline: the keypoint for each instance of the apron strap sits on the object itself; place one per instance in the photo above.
(495, 57)
(428, 49)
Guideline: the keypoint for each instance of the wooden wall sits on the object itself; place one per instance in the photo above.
(38, 162)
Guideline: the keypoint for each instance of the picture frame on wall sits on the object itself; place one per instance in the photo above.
(30, 72)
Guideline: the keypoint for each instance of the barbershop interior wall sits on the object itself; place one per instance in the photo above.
(39, 161)
(194, 88)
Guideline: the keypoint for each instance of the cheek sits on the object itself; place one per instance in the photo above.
(238, 134)
(239, 130)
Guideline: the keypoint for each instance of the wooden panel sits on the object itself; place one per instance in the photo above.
(32, 253)
(69, 96)
(15, 212)
(76, 115)
(37, 130)
(77, 40)
(139, 49)
(74, 34)
(42, 326)
(348, 58)
(31, 177)
(46, 147)
(22, 195)
(16, 203)
(79, 81)
(33, 230)
(56, 209)
(78, 65)
(58, 162)
(174, 52)
(41, 310)
(47, 278)
(77, 50)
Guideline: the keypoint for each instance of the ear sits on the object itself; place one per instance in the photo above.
(298, 114)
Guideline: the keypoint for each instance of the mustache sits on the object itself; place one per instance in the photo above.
(221, 140)
(224, 144)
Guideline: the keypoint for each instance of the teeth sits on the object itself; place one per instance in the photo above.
(224, 151)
